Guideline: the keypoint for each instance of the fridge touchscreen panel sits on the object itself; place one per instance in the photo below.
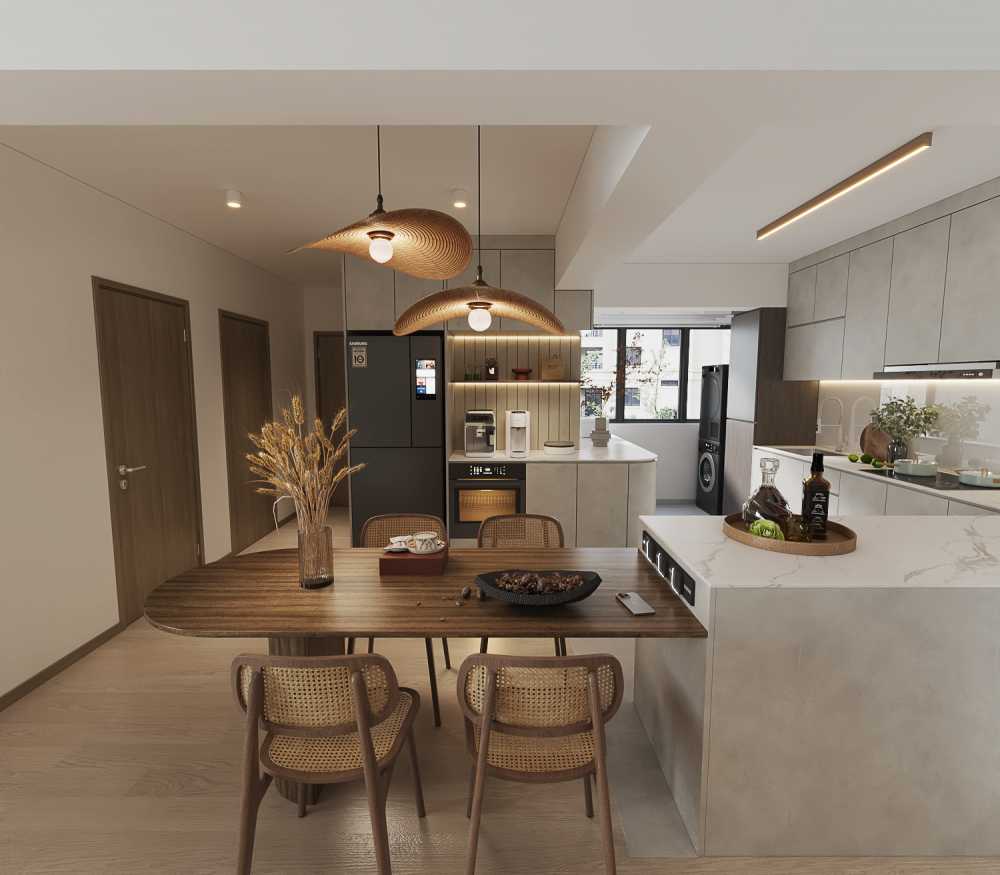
(425, 380)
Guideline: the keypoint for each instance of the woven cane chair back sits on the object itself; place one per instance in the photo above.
(377, 530)
(311, 695)
(521, 530)
(544, 695)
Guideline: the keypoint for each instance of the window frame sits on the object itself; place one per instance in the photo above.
(682, 388)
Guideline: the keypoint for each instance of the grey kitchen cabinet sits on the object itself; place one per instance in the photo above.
(737, 471)
(831, 288)
(490, 260)
(901, 501)
(550, 489)
(370, 295)
(641, 498)
(968, 327)
(602, 504)
(801, 296)
(410, 289)
(574, 308)
(916, 293)
(532, 272)
(867, 310)
(815, 351)
(861, 495)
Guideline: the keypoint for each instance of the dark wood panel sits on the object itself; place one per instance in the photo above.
(147, 395)
(258, 596)
(246, 399)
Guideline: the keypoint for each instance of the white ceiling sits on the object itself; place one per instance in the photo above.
(299, 183)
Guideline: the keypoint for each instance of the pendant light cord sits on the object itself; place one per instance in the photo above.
(479, 192)
(378, 154)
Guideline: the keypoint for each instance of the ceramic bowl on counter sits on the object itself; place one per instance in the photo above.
(980, 477)
(915, 467)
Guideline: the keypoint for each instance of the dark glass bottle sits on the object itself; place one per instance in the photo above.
(767, 503)
(815, 500)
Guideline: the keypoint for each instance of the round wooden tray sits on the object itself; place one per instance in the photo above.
(839, 539)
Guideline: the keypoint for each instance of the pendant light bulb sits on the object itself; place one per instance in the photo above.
(480, 319)
(380, 248)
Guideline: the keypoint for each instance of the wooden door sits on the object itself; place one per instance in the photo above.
(246, 398)
(147, 394)
(331, 391)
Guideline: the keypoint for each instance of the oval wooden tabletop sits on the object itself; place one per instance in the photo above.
(258, 596)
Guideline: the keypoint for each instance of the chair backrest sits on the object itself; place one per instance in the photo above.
(540, 695)
(521, 530)
(377, 530)
(311, 695)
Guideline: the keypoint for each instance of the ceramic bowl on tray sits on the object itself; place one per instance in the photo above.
(980, 477)
(487, 584)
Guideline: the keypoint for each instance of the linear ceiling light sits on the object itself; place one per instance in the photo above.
(876, 168)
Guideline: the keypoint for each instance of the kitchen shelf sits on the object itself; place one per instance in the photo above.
(514, 383)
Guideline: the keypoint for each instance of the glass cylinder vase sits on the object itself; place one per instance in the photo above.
(315, 557)
(897, 450)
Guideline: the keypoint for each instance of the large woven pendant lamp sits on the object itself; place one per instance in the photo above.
(480, 302)
(423, 243)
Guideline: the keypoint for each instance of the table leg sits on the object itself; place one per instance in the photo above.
(303, 647)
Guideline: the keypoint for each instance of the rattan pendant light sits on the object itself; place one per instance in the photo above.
(480, 302)
(423, 243)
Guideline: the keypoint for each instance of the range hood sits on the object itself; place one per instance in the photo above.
(942, 371)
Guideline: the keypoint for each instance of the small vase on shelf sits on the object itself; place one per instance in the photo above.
(315, 557)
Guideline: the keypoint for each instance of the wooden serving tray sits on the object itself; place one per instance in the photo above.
(413, 563)
(839, 539)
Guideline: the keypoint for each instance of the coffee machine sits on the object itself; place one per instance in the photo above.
(518, 433)
(480, 432)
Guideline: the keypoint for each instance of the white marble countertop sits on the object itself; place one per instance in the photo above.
(893, 552)
(985, 498)
(617, 450)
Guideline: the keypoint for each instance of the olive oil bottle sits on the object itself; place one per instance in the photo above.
(815, 500)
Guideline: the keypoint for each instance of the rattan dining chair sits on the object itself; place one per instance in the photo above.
(539, 719)
(376, 531)
(515, 530)
(327, 719)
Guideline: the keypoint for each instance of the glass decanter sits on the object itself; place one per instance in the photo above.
(767, 503)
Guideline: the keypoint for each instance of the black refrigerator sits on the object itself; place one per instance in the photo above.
(396, 401)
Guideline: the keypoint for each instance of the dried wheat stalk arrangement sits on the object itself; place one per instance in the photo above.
(305, 466)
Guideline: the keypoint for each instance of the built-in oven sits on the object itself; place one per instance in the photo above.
(479, 490)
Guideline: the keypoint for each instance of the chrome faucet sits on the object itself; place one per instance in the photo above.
(839, 424)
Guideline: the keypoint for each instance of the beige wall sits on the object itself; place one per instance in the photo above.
(322, 310)
(57, 584)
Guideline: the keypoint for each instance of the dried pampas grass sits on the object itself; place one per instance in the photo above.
(305, 466)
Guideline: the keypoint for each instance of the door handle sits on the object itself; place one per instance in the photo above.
(123, 470)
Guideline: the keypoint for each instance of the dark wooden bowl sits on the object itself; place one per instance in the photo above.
(487, 584)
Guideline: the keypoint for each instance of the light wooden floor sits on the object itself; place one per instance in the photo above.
(129, 761)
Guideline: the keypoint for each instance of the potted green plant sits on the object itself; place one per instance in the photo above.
(903, 419)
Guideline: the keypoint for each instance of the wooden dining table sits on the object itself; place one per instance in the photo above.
(257, 595)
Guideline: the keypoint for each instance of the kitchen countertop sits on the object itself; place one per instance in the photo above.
(617, 450)
(893, 552)
(988, 499)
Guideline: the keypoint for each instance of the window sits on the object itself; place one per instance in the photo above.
(647, 374)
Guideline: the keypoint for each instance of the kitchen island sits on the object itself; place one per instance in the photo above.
(844, 705)
(596, 493)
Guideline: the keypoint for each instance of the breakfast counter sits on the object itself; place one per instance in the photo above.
(617, 450)
(842, 705)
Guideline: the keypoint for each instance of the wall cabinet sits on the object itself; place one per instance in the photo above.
(801, 296)
(867, 310)
(814, 351)
(861, 496)
(968, 327)
(831, 288)
(908, 502)
(532, 272)
(602, 505)
(490, 260)
(370, 295)
(551, 490)
(916, 293)
(575, 308)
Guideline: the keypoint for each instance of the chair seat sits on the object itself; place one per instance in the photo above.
(533, 754)
(337, 753)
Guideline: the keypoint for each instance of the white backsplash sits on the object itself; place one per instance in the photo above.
(969, 426)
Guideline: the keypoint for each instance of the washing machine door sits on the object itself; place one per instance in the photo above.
(708, 471)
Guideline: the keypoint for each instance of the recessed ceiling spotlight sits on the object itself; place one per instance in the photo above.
(234, 200)
(459, 198)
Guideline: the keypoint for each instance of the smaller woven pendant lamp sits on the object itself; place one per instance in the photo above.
(423, 243)
(479, 298)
